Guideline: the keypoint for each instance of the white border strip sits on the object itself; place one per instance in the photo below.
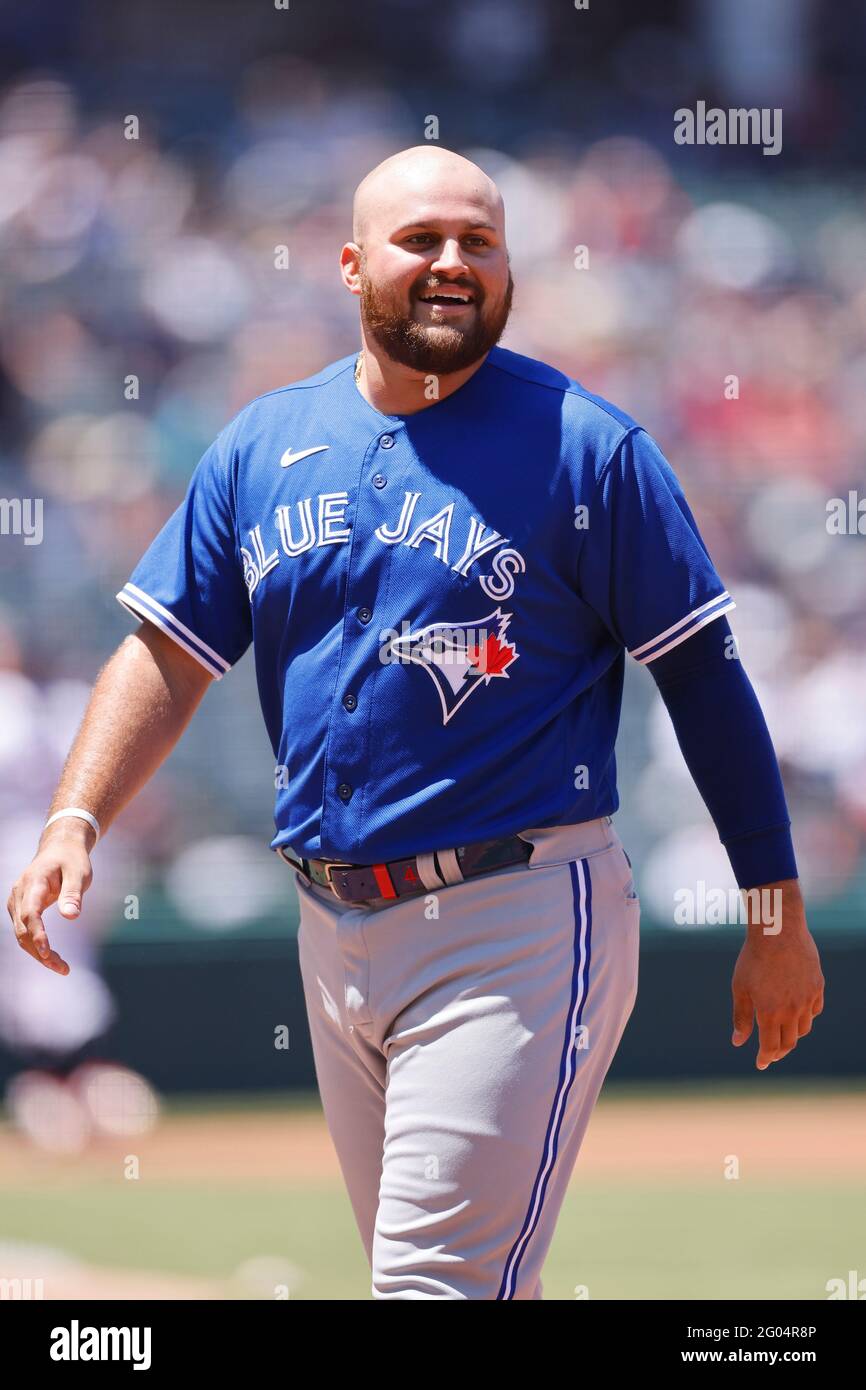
(690, 633)
(187, 632)
(127, 598)
(695, 613)
(688, 623)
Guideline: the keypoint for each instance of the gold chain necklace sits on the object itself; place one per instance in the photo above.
(358, 367)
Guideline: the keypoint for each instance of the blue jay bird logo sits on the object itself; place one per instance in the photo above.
(460, 658)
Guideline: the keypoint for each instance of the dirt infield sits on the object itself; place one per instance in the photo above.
(807, 1134)
(257, 1193)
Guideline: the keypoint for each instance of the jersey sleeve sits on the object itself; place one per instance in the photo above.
(644, 568)
(190, 580)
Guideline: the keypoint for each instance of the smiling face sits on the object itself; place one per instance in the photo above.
(431, 265)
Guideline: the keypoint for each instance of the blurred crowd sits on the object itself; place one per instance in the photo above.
(141, 307)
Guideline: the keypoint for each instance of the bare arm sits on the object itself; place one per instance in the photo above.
(142, 701)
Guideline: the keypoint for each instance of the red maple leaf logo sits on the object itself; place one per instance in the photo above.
(492, 657)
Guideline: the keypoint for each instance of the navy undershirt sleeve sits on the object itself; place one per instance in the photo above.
(724, 739)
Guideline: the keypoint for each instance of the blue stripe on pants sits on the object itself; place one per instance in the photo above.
(581, 887)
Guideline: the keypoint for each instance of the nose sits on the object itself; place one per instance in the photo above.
(450, 258)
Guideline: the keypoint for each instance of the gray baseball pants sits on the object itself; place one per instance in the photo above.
(461, 1038)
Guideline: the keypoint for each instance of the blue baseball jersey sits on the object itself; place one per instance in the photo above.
(439, 604)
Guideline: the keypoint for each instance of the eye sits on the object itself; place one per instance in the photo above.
(425, 238)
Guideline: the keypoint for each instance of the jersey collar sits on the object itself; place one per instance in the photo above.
(395, 421)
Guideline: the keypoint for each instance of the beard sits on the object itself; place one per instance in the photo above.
(435, 348)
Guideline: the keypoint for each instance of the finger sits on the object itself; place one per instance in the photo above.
(35, 898)
(71, 893)
(55, 962)
(770, 1034)
(818, 1004)
(51, 962)
(788, 1038)
(804, 1023)
(744, 1014)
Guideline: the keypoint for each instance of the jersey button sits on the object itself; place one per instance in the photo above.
(344, 791)
(364, 615)
(387, 441)
(379, 480)
(350, 702)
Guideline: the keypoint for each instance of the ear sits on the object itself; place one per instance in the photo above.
(350, 267)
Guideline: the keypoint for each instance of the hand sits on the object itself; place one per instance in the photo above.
(777, 976)
(61, 869)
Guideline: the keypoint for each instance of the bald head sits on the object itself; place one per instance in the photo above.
(428, 261)
(408, 185)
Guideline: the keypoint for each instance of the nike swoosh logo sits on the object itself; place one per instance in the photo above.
(289, 458)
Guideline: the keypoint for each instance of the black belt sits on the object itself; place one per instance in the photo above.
(399, 878)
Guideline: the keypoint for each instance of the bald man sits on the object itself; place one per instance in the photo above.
(423, 314)
(441, 552)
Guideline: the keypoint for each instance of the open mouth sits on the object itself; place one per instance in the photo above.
(450, 297)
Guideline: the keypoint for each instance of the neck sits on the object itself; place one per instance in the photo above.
(394, 389)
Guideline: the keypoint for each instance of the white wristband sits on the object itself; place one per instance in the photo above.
(74, 811)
